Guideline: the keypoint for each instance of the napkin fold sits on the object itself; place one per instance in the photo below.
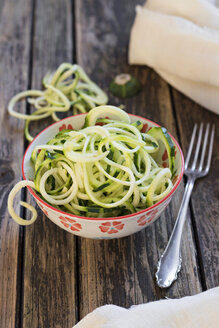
(199, 311)
(180, 40)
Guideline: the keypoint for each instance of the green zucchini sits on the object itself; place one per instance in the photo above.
(162, 136)
(124, 86)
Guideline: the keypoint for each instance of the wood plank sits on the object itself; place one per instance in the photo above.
(15, 26)
(205, 195)
(50, 253)
(122, 271)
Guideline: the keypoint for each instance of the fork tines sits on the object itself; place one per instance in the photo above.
(199, 156)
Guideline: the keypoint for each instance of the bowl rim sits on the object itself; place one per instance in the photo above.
(146, 210)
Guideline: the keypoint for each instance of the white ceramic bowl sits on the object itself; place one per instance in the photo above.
(100, 228)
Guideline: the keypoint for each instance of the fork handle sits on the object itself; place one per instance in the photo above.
(170, 262)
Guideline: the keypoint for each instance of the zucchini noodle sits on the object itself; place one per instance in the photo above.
(100, 171)
(67, 88)
(11, 197)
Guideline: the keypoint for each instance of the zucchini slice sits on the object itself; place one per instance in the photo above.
(124, 86)
(162, 136)
(103, 111)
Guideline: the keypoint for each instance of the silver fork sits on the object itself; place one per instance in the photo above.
(170, 262)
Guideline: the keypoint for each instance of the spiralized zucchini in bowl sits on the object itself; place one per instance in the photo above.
(108, 168)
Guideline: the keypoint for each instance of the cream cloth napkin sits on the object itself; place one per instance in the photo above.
(180, 40)
(199, 311)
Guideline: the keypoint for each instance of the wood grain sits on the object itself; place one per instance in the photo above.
(50, 252)
(206, 194)
(15, 24)
(122, 271)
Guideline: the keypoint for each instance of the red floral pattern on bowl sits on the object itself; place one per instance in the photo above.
(175, 179)
(102, 123)
(144, 128)
(165, 158)
(165, 164)
(43, 209)
(111, 227)
(66, 127)
(147, 218)
(175, 151)
(70, 223)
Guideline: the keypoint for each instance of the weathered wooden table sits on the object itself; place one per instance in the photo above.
(48, 277)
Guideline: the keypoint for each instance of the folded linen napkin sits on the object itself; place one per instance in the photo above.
(180, 40)
(199, 311)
